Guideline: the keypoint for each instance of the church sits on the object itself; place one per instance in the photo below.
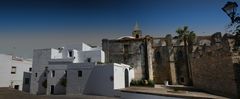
(151, 57)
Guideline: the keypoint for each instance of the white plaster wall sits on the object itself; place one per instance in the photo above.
(96, 79)
(56, 54)
(40, 62)
(76, 56)
(75, 84)
(21, 67)
(100, 82)
(56, 80)
(126, 95)
(5, 70)
(85, 47)
(119, 77)
(131, 75)
(102, 56)
(96, 56)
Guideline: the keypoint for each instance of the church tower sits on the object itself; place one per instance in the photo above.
(137, 33)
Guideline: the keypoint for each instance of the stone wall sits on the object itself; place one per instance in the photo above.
(213, 71)
(161, 65)
(128, 51)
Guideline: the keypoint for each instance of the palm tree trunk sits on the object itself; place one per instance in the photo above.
(187, 61)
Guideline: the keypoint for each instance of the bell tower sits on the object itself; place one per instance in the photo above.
(137, 33)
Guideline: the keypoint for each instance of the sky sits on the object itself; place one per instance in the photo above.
(32, 24)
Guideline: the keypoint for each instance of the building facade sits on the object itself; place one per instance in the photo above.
(213, 60)
(151, 57)
(13, 72)
(75, 69)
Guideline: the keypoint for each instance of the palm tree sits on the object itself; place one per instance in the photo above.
(188, 38)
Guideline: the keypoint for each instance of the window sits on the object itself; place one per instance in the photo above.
(70, 52)
(137, 35)
(13, 71)
(79, 73)
(26, 81)
(30, 69)
(125, 48)
(65, 73)
(53, 73)
(16, 87)
(89, 60)
(45, 74)
(35, 74)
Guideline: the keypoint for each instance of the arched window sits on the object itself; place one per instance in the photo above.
(158, 57)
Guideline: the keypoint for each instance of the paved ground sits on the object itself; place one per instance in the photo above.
(180, 92)
(7, 93)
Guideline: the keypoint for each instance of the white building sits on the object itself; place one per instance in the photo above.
(75, 69)
(13, 72)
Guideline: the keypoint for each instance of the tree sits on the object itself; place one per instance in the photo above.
(188, 38)
(230, 8)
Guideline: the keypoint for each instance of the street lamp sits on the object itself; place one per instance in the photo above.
(230, 9)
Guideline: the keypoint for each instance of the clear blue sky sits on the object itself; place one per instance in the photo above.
(29, 24)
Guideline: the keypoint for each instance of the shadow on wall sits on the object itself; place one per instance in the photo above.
(100, 84)
(42, 83)
(60, 87)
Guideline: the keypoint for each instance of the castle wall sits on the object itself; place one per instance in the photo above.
(214, 72)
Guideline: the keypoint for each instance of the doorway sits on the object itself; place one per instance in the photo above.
(126, 78)
(52, 89)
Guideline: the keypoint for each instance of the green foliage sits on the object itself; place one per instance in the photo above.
(44, 83)
(147, 83)
(64, 82)
(100, 62)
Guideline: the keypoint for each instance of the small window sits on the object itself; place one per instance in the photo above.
(45, 74)
(53, 73)
(70, 52)
(137, 35)
(35, 74)
(79, 73)
(26, 81)
(125, 48)
(89, 60)
(65, 73)
(30, 69)
(14, 69)
(16, 87)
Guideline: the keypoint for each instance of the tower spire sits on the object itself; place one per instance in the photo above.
(136, 27)
(137, 33)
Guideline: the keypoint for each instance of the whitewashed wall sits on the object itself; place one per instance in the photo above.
(40, 62)
(21, 67)
(5, 70)
(96, 56)
(75, 84)
(56, 80)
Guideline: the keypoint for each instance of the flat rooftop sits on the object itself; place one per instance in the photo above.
(179, 92)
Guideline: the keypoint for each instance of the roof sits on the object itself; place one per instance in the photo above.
(126, 37)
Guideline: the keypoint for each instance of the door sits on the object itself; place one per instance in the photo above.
(52, 89)
(126, 78)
